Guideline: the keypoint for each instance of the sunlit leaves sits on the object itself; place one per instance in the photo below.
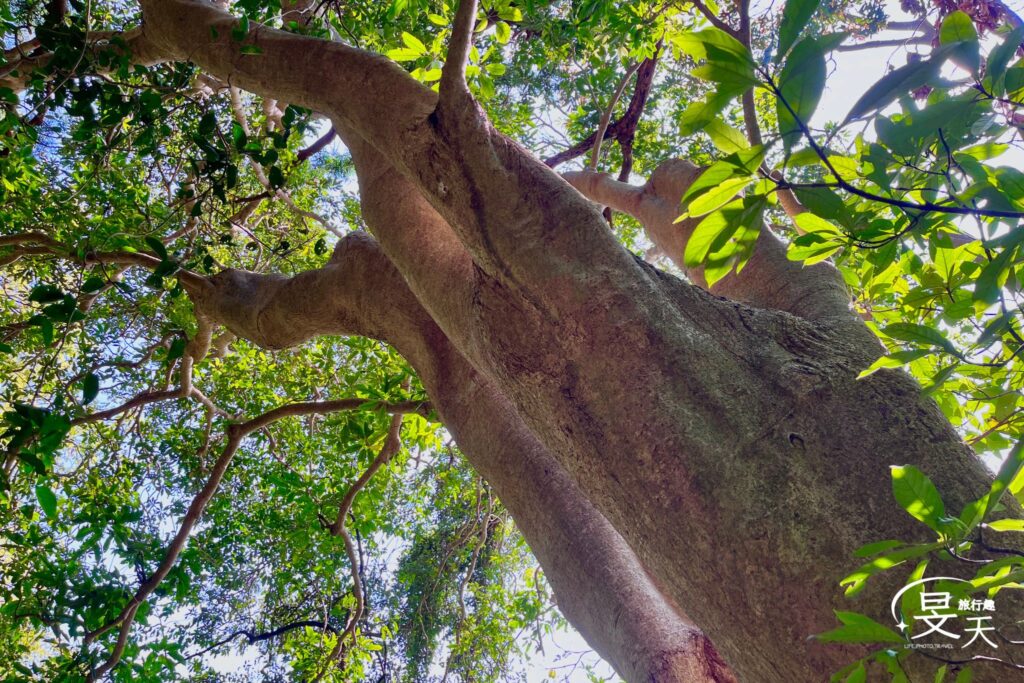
(800, 86)
(794, 18)
(918, 495)
(958, 32)
(898, 82)
(858, 628)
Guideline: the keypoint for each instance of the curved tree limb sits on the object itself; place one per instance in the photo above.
(235, 434)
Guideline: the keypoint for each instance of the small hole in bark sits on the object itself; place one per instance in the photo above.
(796, 440)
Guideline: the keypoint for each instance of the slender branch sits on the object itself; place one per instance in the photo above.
(878, 44)
(235, 434)
(842, 183)
(606, 118)
(252, 637)
(317, 146)
(713, 18)
(622, 129)
(392, 444)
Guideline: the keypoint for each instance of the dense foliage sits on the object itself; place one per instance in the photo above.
(101, 159)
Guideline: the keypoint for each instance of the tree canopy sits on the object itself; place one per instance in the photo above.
(172, 492)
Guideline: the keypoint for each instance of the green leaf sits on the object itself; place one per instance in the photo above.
(717, 196)
(916, 493)
(895, 83)
(703, 236)
(858, 628)
(1008, 472)
(414, 43)
(502, 32)
(93, 284)
(874, 548)
(958, 32)
(239, 32)
(711, 177)
(734, 73)
(276, 177)
(47, 500)
(800, 86)
(90, 388)
(1006, 525)
(403, 54)
(894, 360)
(794, 18)
(1001, 55)
(725, 137)
(711, 43)
(44, 294)
(157, 246)
(992, 277)
(919, 334)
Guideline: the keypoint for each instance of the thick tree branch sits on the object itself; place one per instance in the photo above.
(769, 280)
(597, 578)
(453, 89)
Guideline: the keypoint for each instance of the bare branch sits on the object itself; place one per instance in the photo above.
(392, 444)
(622, 129)
(602, 129)
(235, 434)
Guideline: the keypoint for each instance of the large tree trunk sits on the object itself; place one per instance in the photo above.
(727, 441)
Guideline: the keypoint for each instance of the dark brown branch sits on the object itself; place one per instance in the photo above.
(622, 129)
(317, 146)
(252, 637)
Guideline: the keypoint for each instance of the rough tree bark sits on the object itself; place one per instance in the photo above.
(659, 445)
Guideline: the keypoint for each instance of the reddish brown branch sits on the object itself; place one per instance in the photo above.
(622, 129)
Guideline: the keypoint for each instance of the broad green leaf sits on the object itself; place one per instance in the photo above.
(894, 360)
(1011, 469)
(703, 236)
(916, 493)
(47, 500)
(717, 196)
(870, 549)
(809, 222)
(414, 43)
(856, 581)
(999, 58)
(919, 334)
(794, 18)
(895, 83)
(403, 54)
(858, 628)
(502, 32)
(709, 42)
(713, 176)
(1006, 525)
(90, 388)
(734, 73)
(992, 277)
(801, 84)
(958, 33)
(157, 246)
(725, 137)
